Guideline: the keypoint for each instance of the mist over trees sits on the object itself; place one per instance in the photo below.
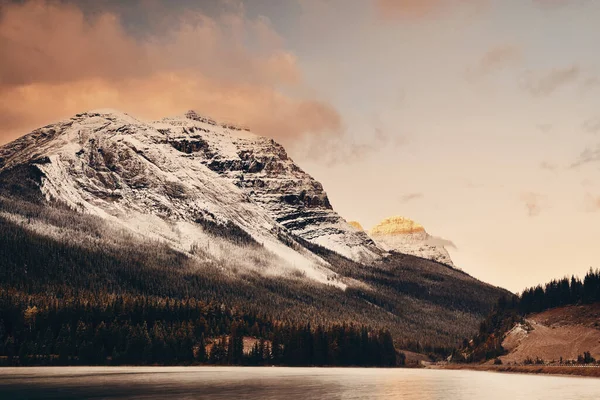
(52, 257)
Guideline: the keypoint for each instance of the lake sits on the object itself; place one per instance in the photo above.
(285, 383)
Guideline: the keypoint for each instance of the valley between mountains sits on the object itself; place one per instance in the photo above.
(103, 206)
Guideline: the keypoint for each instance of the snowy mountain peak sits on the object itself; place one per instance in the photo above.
(191, 114)
(356, 225)
(396, 225)
(406, 236)
(160, 179)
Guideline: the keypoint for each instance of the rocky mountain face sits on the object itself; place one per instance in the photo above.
(188, 207)
(261, 168)
(408, 237)
(161, 179)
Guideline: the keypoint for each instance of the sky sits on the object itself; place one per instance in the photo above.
(479, 119)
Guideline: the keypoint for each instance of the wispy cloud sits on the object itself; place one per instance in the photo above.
(545, 83)
(411, 197)
(592, 126)
(438, 241)
(533, 203)
(496, 58)
(587, 156)
(592, 203)
(419, 9)
(552, 4)
(545, 127)
(348, 150)
(549, 166)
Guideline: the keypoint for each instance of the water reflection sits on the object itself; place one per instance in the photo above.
(285, 383)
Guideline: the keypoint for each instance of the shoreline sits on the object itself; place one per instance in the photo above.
(589, 372)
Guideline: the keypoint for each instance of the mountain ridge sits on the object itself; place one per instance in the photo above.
(243, 220)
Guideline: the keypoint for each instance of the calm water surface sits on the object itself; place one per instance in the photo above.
(285, 383)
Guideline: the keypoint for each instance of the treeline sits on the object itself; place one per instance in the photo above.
(87, 329)
(561, 292)
(487, 344)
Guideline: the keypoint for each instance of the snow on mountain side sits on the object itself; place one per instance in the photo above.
(408, 237)
(162, 180)
(356, 225)
(262, 169)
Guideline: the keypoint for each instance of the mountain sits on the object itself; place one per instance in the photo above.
(559, 333)
(185, 170)
(103, 203)
(406, 236)
(551, 324)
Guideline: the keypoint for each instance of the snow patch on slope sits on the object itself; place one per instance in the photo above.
(142, 178)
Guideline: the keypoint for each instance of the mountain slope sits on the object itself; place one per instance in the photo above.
(185, 207)
(560, 333)
(559, 320)
(185, 170)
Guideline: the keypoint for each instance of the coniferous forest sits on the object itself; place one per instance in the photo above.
(508, 311)
(75, 290)
(86, 329)
(67, 303)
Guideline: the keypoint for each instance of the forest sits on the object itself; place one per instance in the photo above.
(89, 295)
(82, 328)
(52, 257)
(508, 311)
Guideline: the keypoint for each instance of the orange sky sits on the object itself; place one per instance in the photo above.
(480, 119)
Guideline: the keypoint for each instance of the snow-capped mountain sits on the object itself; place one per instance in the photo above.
(160, 179)
(219, 214)
(408, 237)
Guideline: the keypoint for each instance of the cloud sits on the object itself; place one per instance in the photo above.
(546, 83)
(551, 4)
(57, 61)
(545, 127)
(592, 203)
(497, 58)
(410, 197)
(438, 241)
(592, 126)
(548, 166)
(590, 83)
(419, 9)
(533, 203)
(589, 155)
(342, 149)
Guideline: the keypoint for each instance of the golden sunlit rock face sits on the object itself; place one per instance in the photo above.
(356, 225)
(396, 226)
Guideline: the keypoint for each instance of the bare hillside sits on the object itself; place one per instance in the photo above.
(559, 332)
